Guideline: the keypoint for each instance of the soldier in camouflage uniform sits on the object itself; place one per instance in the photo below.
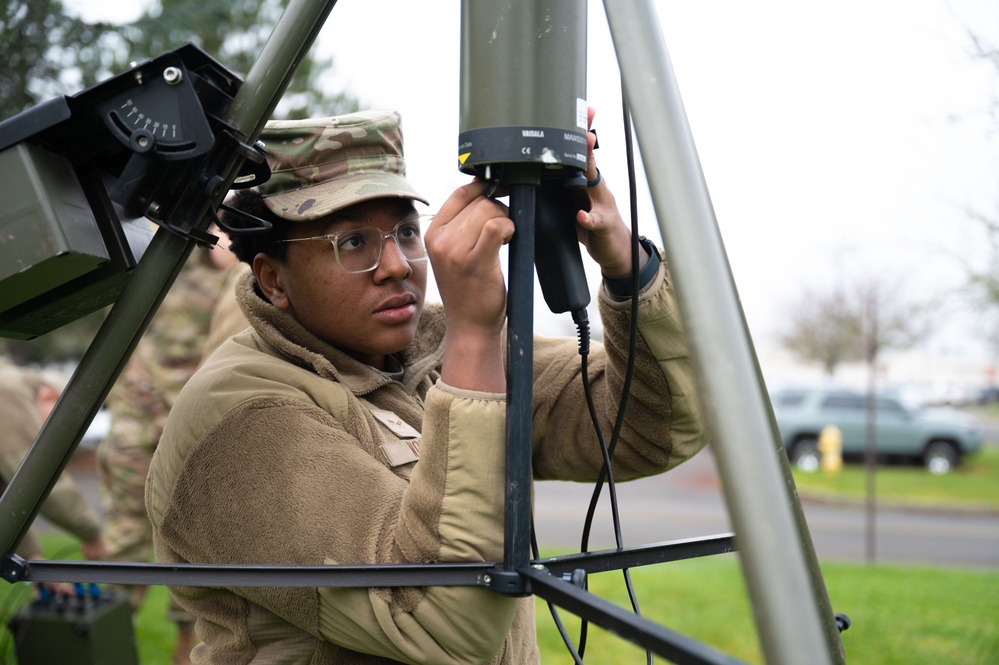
(26, 398)
(356, 423)
(166, 356)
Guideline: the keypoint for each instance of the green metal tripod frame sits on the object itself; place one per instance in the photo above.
(788, 595)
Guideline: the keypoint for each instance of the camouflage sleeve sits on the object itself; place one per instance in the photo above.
(165, 358)
(17, 413)
(29, 548)
(65, 506)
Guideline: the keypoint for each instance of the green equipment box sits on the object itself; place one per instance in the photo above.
(65, 249)
(75, 630)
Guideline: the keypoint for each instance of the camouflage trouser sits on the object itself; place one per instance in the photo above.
(122, 470)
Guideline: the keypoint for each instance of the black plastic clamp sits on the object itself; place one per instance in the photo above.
(13, 568)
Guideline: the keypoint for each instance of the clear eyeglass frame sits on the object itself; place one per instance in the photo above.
(412, 253)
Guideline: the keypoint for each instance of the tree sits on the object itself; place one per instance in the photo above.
(824, 327)
(854, 321)
(857, 321)
(45, 52)
(890, 321)
(983, 283)
(985, 48)
(233, 32)
(982, 286)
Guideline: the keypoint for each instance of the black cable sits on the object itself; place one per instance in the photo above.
(633, 333)
(607, 472)
(581, 320)
(576, 658)
(633, 339)
(612, 489)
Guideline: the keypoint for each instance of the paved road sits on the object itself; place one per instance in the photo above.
(689, 502)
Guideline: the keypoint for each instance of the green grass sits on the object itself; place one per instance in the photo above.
(900, 614)
(154, 634)
(973, 483)
(704, 599)
(984, 411)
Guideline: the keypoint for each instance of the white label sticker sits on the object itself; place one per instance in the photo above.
(399, 427)
(581, 113)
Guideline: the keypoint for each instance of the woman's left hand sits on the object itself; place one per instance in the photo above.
(602, 230)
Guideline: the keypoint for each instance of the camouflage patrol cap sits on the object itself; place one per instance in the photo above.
(322, 165)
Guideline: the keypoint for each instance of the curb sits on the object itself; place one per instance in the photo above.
(899, 506)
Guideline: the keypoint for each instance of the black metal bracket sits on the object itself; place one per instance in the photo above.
(257, 225)
(485, 574)
(561, 580)
(13, 568)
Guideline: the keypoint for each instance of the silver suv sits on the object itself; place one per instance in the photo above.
(938, 438)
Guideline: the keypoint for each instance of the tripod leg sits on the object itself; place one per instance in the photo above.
(793, 614)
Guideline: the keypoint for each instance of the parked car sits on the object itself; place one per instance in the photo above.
(987, 395)
(938, 438)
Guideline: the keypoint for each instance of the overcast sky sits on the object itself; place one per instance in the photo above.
(837, 139)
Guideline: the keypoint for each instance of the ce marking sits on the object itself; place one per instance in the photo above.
(525, 151)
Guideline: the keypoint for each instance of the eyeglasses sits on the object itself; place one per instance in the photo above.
(360, 250)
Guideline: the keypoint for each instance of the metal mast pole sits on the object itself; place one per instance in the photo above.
(789, 598)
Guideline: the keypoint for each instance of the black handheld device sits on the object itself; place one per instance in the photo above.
(557, 258)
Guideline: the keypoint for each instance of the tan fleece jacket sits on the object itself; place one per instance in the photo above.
(263, 461)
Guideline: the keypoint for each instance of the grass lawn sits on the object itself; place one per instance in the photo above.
(974, 483)
(984, 411)
(900, 615)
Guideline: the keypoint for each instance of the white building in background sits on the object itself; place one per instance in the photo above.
(926, 376)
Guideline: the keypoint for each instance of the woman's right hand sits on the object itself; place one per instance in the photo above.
(463, 243)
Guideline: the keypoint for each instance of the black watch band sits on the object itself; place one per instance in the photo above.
(622, 287)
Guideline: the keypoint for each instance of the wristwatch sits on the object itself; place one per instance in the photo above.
(622, 287)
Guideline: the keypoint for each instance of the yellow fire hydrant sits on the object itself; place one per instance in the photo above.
(831, 449)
